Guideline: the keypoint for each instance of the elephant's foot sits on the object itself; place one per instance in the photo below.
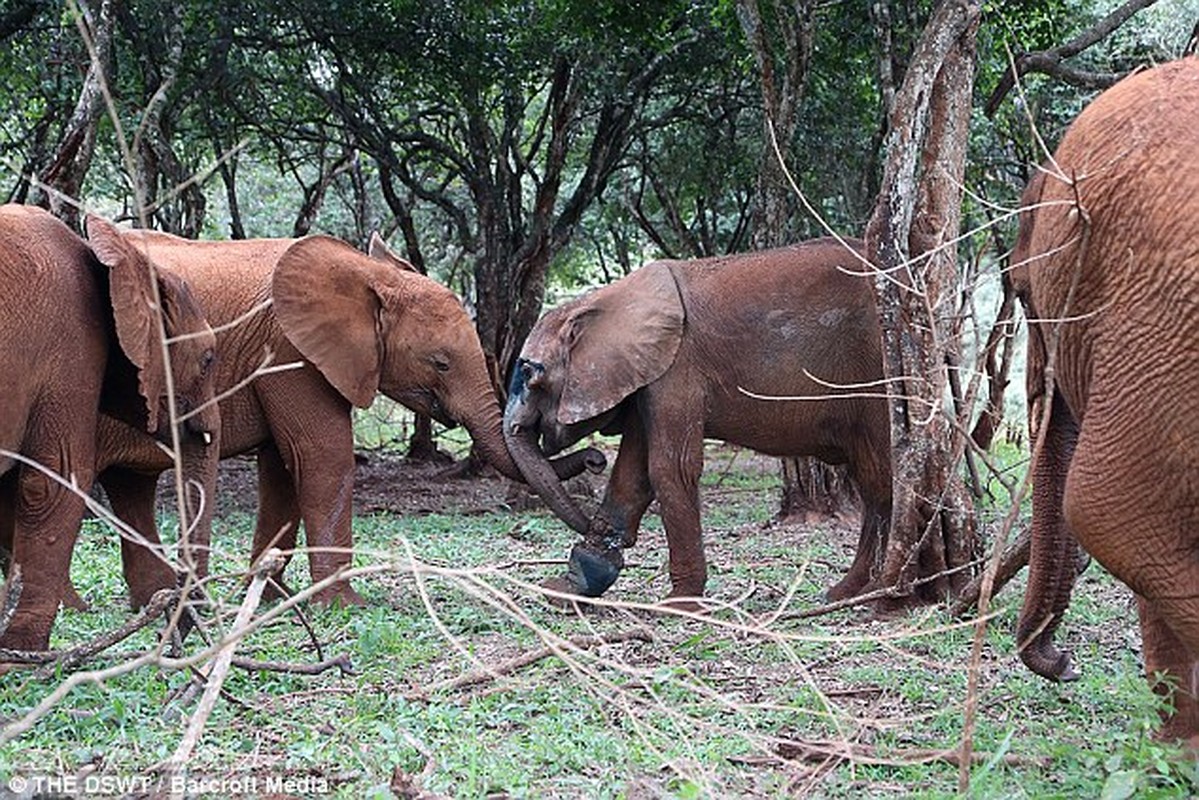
(28, 631)
(683, 603)
(339, 594)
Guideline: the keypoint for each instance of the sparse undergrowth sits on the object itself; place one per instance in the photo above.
(700, 709)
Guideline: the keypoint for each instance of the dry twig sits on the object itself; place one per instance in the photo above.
(477, 676)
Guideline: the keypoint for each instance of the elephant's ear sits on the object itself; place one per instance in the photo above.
(381, 252)
(328, 309)
(620, 338)
(131, 292)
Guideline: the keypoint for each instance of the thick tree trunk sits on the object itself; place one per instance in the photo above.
(910, 239)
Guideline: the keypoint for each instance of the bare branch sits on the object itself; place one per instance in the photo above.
(1049, 62)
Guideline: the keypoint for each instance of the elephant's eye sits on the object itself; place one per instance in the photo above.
(441, 364)
(207, 360)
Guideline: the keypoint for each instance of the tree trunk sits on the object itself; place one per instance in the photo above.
(910, 239)
(63, 179)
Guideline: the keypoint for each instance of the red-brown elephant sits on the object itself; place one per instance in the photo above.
(82, 339)
(354, 325)
(661, 357)
(1111, 250)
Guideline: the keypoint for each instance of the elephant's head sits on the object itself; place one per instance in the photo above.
(373, 324)
(136, 288)
(579, 364)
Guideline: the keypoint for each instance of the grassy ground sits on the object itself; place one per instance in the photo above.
(670, 707)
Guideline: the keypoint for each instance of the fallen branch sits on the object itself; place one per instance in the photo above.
(341, 662)
(817, 751)
(160, 601)
(271, 562)
(52, 660)
(486, 674)
(1014, 559)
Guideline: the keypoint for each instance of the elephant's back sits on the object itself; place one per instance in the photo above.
(50, 277)
(797, 322)
(1134, 152)
(52, 321)
(228, 277)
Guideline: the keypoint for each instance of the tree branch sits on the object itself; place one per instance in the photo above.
(1049, 62)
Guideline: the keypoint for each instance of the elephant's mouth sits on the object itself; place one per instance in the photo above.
(427, 403)
(192, 429)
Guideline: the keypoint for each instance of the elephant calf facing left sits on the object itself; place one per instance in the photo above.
(661, 357)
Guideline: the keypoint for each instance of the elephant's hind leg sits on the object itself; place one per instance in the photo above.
(1166, 655)
(1142, 526)
(871, 472)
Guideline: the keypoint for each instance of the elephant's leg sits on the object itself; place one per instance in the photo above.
(676, 459)
(46, 523)
(313, 434)
(8, 522)
(145, 564)
(1166, 654)
(1053, 555)
(871, 472)
(278, 510)
(596, 562)
(8, 515)
(629, 492)
(1141, 523)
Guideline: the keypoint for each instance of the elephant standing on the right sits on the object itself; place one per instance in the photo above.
(1111, 249)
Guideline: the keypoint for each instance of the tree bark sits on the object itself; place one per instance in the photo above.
(62, 180)
(910, 239)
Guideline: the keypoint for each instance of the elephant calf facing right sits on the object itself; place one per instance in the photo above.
(661, 357)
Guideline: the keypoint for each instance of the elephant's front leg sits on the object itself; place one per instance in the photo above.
(312, 430)
(45, 525)
(596, 562)
(278, 511)
(146, 567)
(676, 459)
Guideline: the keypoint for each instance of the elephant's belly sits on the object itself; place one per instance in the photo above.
(779, 434)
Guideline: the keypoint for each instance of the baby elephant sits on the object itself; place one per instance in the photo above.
(670, 355)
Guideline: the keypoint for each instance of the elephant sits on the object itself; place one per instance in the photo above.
(669, 355)
(83, 342)
(353, 326)
(1109, 256)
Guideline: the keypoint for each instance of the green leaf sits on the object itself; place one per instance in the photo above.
(1120, 785)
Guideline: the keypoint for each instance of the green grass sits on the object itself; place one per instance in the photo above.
(696, 712)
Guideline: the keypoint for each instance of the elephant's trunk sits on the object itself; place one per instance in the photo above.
(1053, 559)
(486, 430)
(539, 473)
(201, 453)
